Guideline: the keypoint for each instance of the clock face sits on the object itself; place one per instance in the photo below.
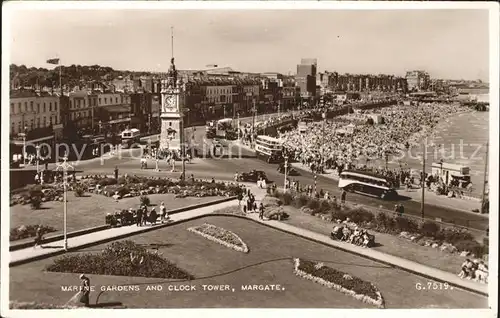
(170, 103)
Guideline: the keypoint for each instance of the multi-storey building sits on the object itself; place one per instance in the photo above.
(306, 77)
(141, 111)
(81, 111)
(329, 82)
(114, 110)
(126, 84)
(34, 113)
(417, 80)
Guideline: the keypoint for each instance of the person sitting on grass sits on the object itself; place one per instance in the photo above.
(465, 269)
(482, 273)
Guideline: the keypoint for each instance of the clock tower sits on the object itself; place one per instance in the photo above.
(172, 102)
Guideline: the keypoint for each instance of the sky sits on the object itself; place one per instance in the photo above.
(450, 44)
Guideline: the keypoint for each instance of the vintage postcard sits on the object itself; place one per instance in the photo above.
(267, 156)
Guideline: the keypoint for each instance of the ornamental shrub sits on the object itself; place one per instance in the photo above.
(429, 229)
(471, 246)
(123, 190)
(324, 206)
(313, 204)
(79, 191)
(453, 235)
(35, 202)
(145, 200)
(25, 231)
(360, 216)
(300, 201)
(286, 198)
(406, 224)
(486, 245)
(107, 181)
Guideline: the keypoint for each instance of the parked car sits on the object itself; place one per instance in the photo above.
(253, 176)
(289, 170)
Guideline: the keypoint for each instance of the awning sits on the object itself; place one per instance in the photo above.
(117, 109)
(117, 121)
(21, 143)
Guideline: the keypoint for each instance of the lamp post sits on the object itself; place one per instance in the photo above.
(64, 166)
(183, 145)
(323, 140)
(422, 182)
(239, 128)
(37, 158)
(485, 181)
(24, 144)
(286, 172)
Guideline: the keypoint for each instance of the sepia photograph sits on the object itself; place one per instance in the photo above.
(249, 156)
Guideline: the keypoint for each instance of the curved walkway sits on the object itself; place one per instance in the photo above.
(32, 254)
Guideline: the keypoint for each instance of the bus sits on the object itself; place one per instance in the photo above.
(269, 149)
(367, 183)
(222, 128)
(130, 137)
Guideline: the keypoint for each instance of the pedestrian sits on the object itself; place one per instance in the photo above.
(240, 197)
(36, 178)
(85, 290)
(144, 215)
(261, 211)
(163, 212)
(39, 236)
(138, 220)
(192, 178)
(401, 210)
(343, 196)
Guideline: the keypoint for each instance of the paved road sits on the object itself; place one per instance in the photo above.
(242, 160)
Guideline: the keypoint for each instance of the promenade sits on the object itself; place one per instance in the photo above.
(56, 248)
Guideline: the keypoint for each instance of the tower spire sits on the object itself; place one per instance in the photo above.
(172, 72)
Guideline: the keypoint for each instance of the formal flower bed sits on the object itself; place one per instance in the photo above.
(428, 233)
(26, 231)
(221, 236)
(121, 259)
(340, 281)
(30, 193)
(137, 186)
(36, 305)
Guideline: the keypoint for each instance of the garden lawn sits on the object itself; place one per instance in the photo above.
(90, 211)
(386, 243)
(269, 262)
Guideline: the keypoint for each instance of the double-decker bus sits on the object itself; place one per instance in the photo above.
(130, 137)
(269, 149)
(367, 183)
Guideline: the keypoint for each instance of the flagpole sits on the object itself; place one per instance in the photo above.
(60, 78)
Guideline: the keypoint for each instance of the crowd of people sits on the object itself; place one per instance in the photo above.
(474, 270)
(352, 140)
(140, 216)
(349, 232)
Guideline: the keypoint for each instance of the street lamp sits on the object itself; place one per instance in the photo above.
(323, 140)
(37, 158)
(24, 144)
(64, 166)
(286, 171)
